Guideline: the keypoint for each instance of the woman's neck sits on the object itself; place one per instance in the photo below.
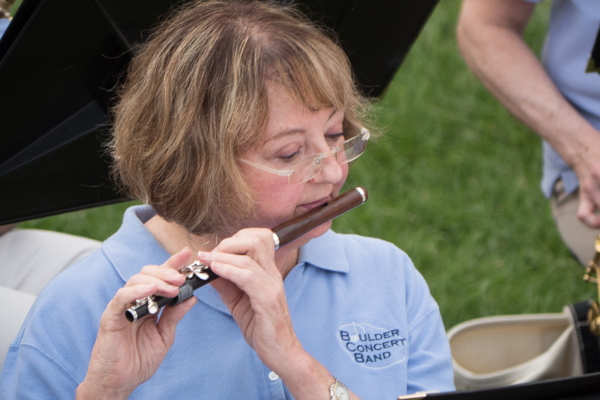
(287, 261)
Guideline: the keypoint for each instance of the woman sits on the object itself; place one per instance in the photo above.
(222, 103)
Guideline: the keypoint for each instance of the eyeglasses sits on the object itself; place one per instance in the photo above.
(310, 167)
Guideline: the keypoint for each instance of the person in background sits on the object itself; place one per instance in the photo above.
(558, 97)
(236, 117)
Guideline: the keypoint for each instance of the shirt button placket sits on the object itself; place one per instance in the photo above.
(277, 389)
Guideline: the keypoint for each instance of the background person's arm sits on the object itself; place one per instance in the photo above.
(490, 39)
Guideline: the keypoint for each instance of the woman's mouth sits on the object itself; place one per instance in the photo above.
(314, 204)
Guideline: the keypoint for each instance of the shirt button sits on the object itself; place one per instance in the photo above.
(273, 376)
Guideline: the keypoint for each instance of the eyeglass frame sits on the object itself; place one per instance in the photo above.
(364, 135)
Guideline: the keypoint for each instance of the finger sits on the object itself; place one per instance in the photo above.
(171, 316)
(586, 211)
(242, 277)
(230, 293)
(236, 260)
(114, 316)
(179, 260)
(243, 270)
(166, 276)
(595, 170)
(591, 190)
(256, 243)
(163, 288)
(260, 286)
(154, 274)
(247, 240)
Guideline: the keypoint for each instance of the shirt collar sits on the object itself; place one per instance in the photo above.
(133, 246)
(325, 252)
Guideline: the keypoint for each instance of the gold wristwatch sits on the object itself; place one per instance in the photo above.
(338, 391)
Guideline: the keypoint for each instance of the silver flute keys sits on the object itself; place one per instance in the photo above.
(195, 268)
(185, 291)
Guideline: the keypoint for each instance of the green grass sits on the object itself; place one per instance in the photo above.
(454, 182)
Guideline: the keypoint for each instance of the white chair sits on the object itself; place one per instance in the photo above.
(29, 259)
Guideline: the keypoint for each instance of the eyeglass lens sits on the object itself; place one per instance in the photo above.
(311, 167)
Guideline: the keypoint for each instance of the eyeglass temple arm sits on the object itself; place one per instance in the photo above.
(280, 172)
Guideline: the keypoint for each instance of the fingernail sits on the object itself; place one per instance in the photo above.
(203, 255)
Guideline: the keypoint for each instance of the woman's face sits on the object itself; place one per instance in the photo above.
(293, 133)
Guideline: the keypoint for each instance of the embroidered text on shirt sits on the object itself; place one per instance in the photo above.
(371, 346)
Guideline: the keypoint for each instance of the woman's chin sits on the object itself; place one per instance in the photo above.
(308, 236)
(316, 232)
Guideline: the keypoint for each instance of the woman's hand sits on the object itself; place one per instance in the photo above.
(252, 288)
(588, 173)
(127, 354)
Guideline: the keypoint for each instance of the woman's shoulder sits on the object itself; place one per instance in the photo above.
(388, 262)
(83, 289)
(91, 272)
(60, 329)
(364, 246)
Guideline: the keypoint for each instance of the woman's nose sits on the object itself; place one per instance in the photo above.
(332, 170)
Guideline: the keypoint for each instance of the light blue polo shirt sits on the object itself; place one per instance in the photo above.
(573, 28)
(3, 26)
(358, 305)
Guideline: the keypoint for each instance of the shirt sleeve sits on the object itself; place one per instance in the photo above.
(49, 357)
(430, 361)
(49, 382)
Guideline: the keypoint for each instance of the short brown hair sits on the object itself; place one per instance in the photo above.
(195, 97)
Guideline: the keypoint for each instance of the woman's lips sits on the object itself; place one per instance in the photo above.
(314, 204)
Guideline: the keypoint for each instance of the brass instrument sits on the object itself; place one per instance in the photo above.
(592, 274)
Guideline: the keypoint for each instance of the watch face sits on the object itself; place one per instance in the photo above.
(340, 392)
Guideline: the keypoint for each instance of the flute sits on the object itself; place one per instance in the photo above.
(198, 274)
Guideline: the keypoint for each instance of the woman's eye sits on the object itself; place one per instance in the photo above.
(335, 137)
(289, 157)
